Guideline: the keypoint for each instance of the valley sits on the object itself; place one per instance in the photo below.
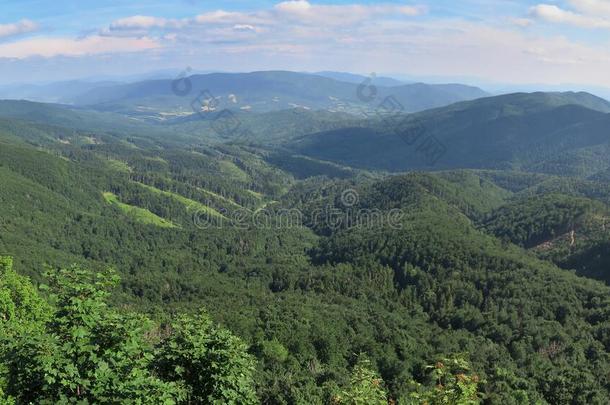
(497, 252)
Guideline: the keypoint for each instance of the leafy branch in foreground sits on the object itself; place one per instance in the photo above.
(211, 362)
(79, 350)
(365, 387)
(454, 384)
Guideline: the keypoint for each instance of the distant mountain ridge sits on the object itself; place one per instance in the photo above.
(270, 91)
(355, 78)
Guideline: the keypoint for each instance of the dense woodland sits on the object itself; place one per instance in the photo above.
(148, 268)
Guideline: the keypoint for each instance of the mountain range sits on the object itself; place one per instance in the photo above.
(257, 91)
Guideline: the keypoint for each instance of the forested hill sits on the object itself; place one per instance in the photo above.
(554, 133)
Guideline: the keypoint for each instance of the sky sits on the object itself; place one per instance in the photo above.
(545, 42)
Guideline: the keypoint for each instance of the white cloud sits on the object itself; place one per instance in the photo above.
(226, 17)
(246, 27)
(138, 22)
(592, 7)
(21, 27)
(306, 12)
(294, 11)
(300, 35)
(218, 16)
(142, 25)
(304, 8)
(592, 14)
(49, 47)
(296, 6)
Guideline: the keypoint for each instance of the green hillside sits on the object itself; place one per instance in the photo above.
(554, 133)
(139, 214)
(566, 229)
(322, 272)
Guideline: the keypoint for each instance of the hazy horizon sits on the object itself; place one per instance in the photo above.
(493, 88)
(501, 43)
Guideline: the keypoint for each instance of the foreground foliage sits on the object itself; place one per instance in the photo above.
(77, 349)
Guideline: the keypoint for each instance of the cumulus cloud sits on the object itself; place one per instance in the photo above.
(296, 6)
(138, 22)
(303, 7)
(294, 11)
(20, 27)
(304, 11)
(225, 17)
(590, 14)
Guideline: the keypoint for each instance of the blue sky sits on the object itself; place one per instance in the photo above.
(482, 41)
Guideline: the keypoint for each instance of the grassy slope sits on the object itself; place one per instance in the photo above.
(139, 214)
(188, 203)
